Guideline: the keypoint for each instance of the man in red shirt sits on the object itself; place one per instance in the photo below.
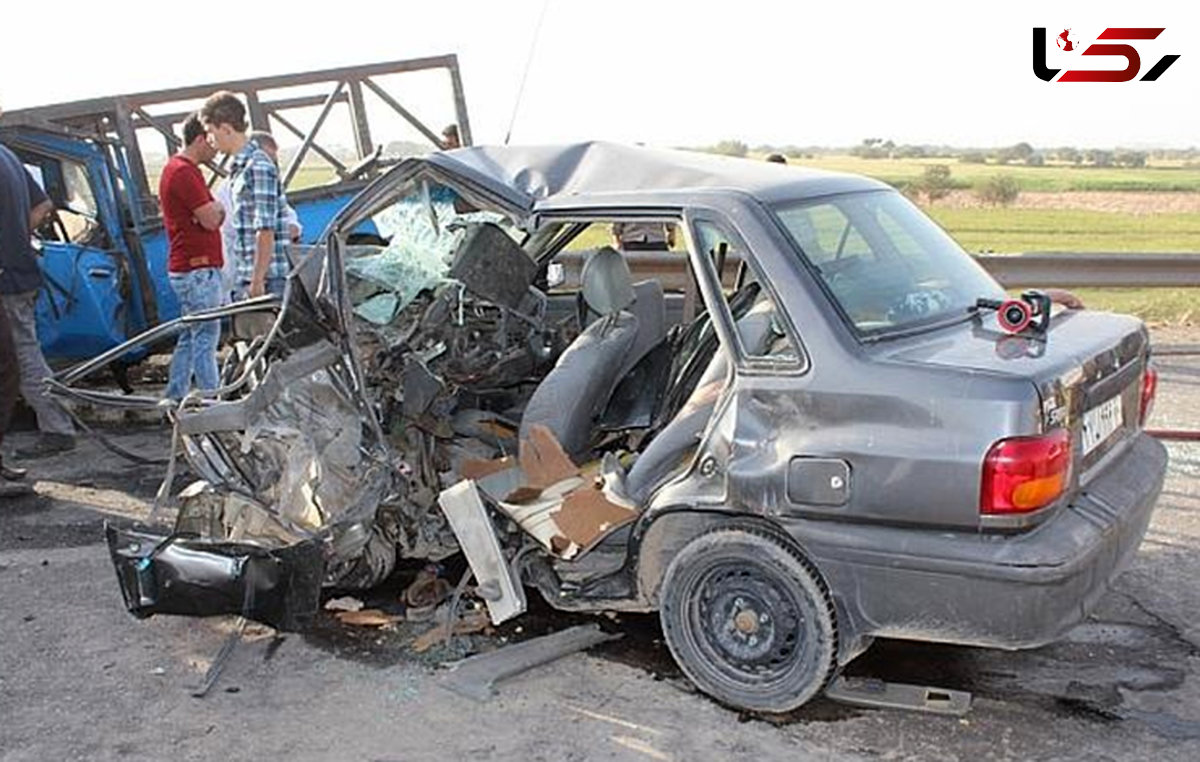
(193, 221)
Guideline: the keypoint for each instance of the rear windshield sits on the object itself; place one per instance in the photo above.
(887, 265)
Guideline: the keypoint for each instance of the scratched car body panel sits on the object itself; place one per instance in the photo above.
(813, 437)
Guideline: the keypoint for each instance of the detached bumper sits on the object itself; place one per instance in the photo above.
(170, 574)
(1006, 591)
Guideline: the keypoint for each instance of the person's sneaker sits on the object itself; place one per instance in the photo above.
(48, 444)
(10, 474)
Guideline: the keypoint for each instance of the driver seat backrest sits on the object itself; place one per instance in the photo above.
(650, 308)
(666, 451)
(578, 387)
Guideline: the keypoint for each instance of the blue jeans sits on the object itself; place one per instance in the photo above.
(31, 365)
(196, 349)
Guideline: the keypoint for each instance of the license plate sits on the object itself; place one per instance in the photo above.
(1101, 422)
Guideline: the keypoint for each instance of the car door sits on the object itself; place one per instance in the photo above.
(82, 309)
(760, 437)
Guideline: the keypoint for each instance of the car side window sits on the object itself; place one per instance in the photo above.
(79, 213)
(759, 320)
(66, 183)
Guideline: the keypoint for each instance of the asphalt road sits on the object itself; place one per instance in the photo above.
(80, 679)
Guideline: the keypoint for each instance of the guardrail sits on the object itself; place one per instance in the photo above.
(1105, 270)
(1044, 269)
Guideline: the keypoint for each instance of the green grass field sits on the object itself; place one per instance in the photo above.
(1172, 306)
(1052, 177)
(1024, 230)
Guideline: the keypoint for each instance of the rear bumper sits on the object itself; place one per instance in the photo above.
(1007, 591)
(171, 574)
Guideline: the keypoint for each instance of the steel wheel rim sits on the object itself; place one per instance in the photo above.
(747, 622)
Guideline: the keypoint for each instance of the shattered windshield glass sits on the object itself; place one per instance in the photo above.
(884, 261)
(421, 230)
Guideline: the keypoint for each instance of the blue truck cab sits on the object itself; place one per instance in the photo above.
(103, 253)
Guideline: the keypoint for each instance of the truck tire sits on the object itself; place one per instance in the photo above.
(749, 620)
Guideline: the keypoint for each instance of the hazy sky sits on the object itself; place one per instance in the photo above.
(666, 73)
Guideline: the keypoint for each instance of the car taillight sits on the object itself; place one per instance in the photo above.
(1149, 389)
(1023, 474)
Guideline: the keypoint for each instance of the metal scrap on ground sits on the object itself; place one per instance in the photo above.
(476, 676)
(868, 692)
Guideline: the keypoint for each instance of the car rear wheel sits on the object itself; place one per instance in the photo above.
(749, 620)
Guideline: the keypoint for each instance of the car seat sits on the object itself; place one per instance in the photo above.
(578, 387)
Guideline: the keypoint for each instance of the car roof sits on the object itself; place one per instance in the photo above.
(584, 173)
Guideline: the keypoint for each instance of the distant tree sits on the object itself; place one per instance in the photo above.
(973, 157)
(870, 148)
(1068, 154)
(997, 190)
(1036, 160)
(909, 152)
(730, 148)
(934, 183)
(1124, 158)
(1021, 151)
(1003, 156)
(1099, 158)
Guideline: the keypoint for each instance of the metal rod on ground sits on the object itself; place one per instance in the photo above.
(218, 662)
(112, 446)
(1176, 350)
(452, 615)
(1175, 435)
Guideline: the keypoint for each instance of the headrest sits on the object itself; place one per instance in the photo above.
(607, 283)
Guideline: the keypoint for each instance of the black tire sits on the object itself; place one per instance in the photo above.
(749, 620)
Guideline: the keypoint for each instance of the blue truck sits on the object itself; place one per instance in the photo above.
(103, 253)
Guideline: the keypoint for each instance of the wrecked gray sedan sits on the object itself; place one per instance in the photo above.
(782, 413)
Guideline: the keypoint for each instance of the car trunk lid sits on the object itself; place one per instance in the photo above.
(1087, 369)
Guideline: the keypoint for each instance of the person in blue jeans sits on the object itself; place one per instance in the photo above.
(23, 207)
(193, 221)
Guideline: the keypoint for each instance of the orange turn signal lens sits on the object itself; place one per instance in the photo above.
(1039, 492)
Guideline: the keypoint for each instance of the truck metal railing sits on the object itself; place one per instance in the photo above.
(117, 119)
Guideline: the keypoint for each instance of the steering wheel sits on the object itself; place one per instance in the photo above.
(53, 228)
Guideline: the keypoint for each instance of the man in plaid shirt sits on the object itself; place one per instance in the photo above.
(260, 241)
